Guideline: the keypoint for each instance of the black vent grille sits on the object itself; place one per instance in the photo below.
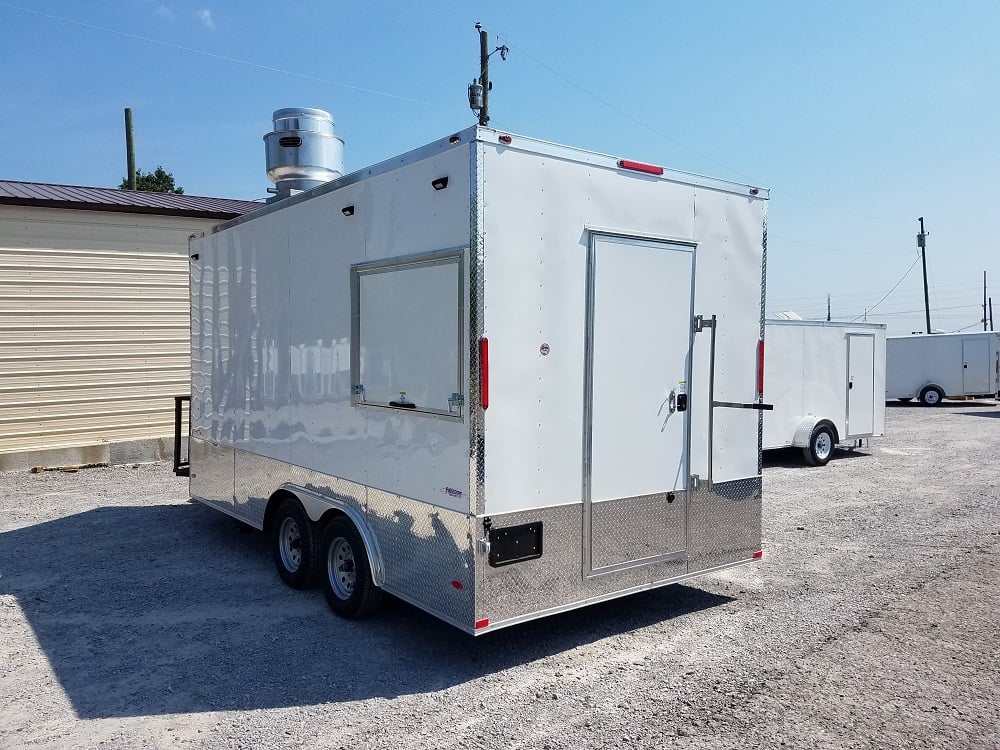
(289, 141)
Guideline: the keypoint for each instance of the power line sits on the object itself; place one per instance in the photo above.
(226, 58)
(660, 133)
(890, 291)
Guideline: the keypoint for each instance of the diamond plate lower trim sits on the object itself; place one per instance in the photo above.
(430, 556)
(635, 528)
(725, 530)
(212, 473)
(724, 523)
(427, 553)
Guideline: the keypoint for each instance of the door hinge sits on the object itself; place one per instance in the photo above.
(484, 542)
(700, 323)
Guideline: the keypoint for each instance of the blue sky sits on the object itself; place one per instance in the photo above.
(860, 116)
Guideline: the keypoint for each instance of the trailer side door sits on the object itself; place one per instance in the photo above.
(636, 432)
(976, 366)
(861, 384)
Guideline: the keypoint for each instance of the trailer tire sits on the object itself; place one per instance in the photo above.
(931, 396)
(294, 545)
(820, 448)
(346, 571)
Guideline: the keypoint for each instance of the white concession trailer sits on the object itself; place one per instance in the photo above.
(930, 367)
(826, 382)
(495, 377)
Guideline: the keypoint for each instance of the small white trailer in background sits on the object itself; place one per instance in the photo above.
(495, 377)
(826, 382)
(931, 367)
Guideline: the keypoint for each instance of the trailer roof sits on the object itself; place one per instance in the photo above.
(509, 141)
(47, 195)
(944, 335)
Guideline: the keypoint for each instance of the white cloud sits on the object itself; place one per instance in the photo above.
(164, 11)
(205, 16)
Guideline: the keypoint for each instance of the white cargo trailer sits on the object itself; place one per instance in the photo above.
(495, 377)
(826, 382)
(931, 367)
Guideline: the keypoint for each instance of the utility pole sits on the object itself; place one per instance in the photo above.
(130, 148)
(484, 74)
(984, 300)
(991, 314)
(922, 244)
(479, 89)
(827, 307)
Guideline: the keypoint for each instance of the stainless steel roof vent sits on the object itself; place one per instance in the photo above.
(303, 151)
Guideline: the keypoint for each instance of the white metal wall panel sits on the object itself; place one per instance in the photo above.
(93, 326)
(276, 383)
(536, 238)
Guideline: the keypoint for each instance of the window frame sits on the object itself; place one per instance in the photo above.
(456, 256)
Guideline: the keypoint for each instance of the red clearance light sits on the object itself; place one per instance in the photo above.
(484, 372)
(758, 554)
(457, 585)
(638, 166)
(760, 367)
(455, 138)
(754, 191)
(505, 138)
(482, 623)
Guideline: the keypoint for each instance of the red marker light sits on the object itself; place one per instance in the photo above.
(484, 372)
(754, 191)
(758, 554)
(457, 585)
(505, 138)
(638, 166)
(480, 624)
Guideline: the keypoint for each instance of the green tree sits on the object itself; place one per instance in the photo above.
(159, 181)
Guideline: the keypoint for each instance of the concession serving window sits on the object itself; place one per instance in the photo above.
(407, 334)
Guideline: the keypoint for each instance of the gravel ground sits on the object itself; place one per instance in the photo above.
(133, 618)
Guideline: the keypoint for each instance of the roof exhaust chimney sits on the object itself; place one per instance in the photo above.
(302, 151)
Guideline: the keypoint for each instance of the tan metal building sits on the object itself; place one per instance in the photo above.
(94, 320)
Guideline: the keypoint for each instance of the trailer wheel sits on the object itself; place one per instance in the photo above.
(820, 447)
(294, 545)
(347, 573)
(931, 396)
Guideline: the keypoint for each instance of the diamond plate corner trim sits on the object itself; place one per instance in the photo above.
(212, 475)
(725, 523)
(477, 311)
(763, 298)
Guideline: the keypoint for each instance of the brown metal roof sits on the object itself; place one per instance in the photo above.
(121, 201)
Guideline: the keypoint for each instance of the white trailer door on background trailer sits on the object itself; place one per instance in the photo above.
(860, 384)
(639, 311)
(976, 366)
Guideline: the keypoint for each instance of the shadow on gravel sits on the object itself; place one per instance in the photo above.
(982, 414)
(791, 458)
(177, 609)
(943, 405)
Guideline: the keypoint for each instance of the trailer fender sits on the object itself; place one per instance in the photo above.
(803, 433)
(316, 505)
